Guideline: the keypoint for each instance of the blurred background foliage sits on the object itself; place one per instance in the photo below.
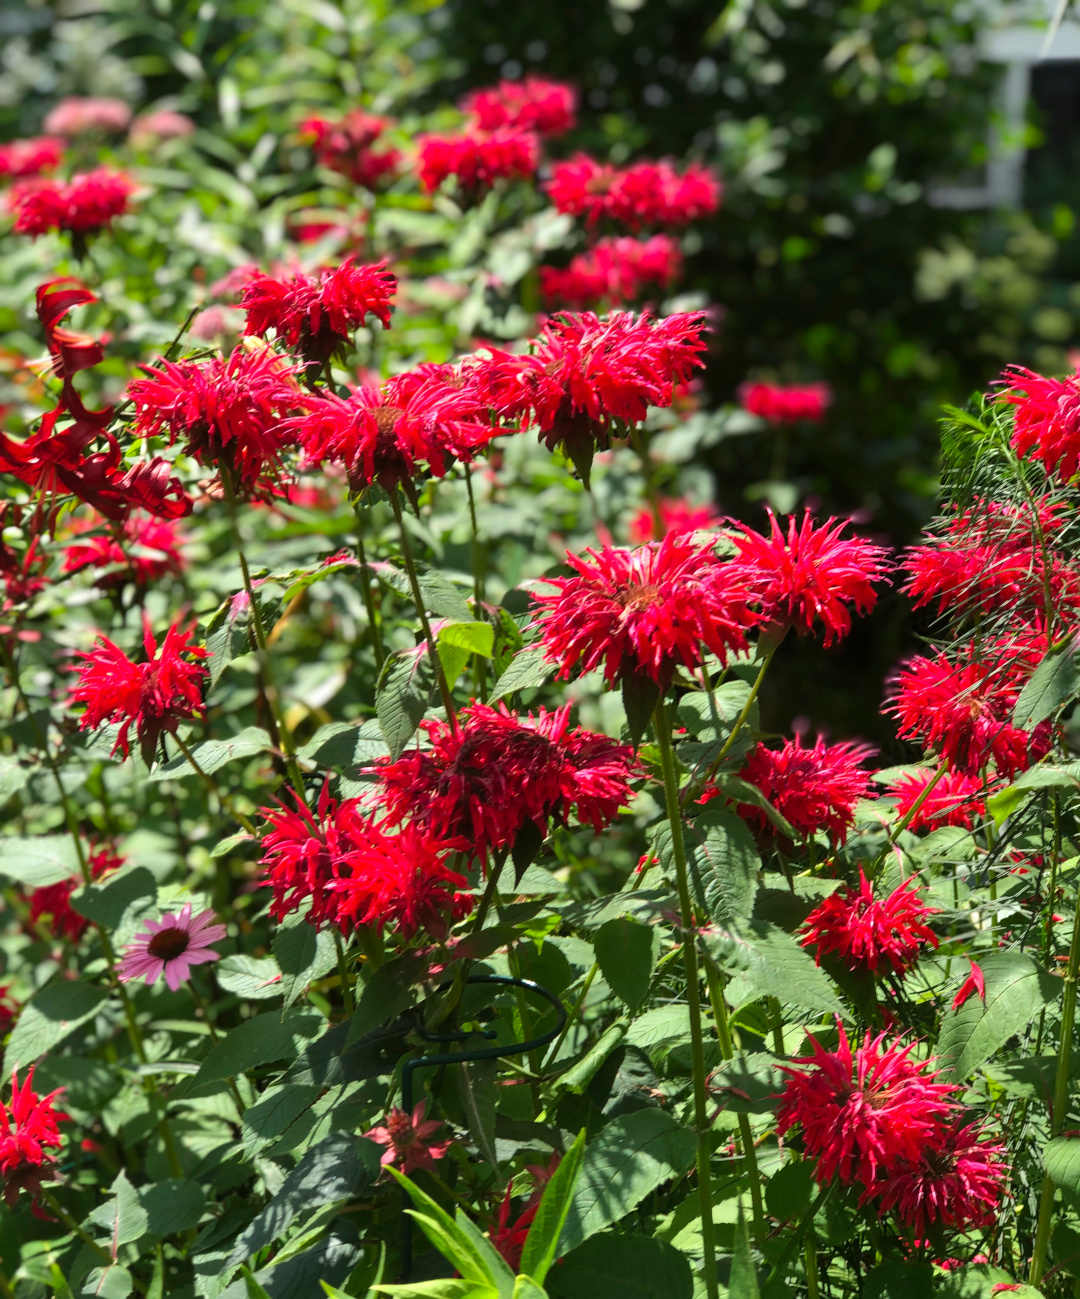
(831, 121)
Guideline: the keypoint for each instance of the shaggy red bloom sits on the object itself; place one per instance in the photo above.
(477, 158)
(228, 411)
(317, 314)
(676, 516)
(957, 1181)
(347, 146)
(483, 781)
(587, 379)
(867, 933)
(810, 575)
(407, 1138)
(646, 193)
(863, 1117)
(613, 271)
(1046, 422)
(964, 709)
(401, 879)
(644, 611)
(786, 405)
(974, 984)
(956, 799)
(154, 696)
(28, 1131)
(813, 789)
(534, 104)
(509, 1237)
(155, 550)
(22, 158)
(87, 202)
(54, 900)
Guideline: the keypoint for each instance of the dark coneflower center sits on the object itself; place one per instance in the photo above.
(168, 944)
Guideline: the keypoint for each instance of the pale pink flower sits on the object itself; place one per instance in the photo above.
(171, 946)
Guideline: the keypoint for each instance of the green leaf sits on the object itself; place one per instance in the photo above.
(633, 1155)
(304, 954)
(639, 695)
(1017, 988)
(743, 1283)
(481, 1267)
(107, 903)
(747, 1084)
(542, 1243)
(212, 755)
(122, 1216)
(225, 846)
(458, 641)
(112, 1282)
(337, 1168)
(1054, 682)
(254, 1289)
(272, 1113)
(391, 989)
(252, 978)
(477, 1093)
(48, 1017)
(172, 1206)
(259, 1040)
(527, 670)
(34, 863)
(13, 777)
(441, 596)
(626, 952)
(403, 695)
(526, 1288)
(629, 1266)
(790, 1190)
(723, 861)
(578, 1077)
(768, 962)
(1061, 1159)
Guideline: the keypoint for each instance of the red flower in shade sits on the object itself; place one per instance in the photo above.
(509, 1237)
(228, 412)
(587, 379)
(21, 158)
(863, 1117)
(644, 611)
(677, 516)
(483, 781)
(964, 709)
(54, 900)
(28, 1130)
(419, 420)
(813, 789)
(1046, 422)
(477, 158)
(868, 934)
(647, 193)
(809, 576)
(402, 879)
(534, 104)
(87, 202)
(613, 271)
(974, 983)
(407, 1138)
(346, 146)
(956, 1181)
(786, 405)
(155, 550)
(304, 852)
(316, 314)
(154, 696)
(9, 1010)
(956, 799)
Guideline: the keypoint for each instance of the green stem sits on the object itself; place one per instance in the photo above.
(211, 784)
(72, 1226)
(693, 995)
(740, 721)
(810, 1255)
(571, 1018)
(343, 971)
(366, 577)
(478, 582)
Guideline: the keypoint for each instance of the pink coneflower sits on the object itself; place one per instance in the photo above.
(407, 1138)
(171, 946)
(869, 933)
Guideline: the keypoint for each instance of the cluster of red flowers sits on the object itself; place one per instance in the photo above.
(786, 405)
(956, 799)
(28, 1131)
(484, 779)
(675, 516)
(643, 194)
(547, 107)
(878, 1120)
(869, 933)
(347, 146)
(83, 204)
(140, 550)
(22, 158)
(613, 271)
(1046, 422)
(477, 159)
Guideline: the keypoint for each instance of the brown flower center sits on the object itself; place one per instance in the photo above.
(168, 944)
(386, 418)
(637, 597)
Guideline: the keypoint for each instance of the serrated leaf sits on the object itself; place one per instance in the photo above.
(122, 1216)
(770, 963)
(747, 1084)
(527, 670)
(107, 903)
(249, 977)
(113, 1282)
(1061, 1159)
(212, 755)
(626, 952)
(34, 863)
(225, 846)
(403, 696)
(723, 862)
(304, 954)
(478, 1094)
(259, 1040)
(49, 1017)
(639, 695)
(272, 1113)
(627, 1265)
(1054, 682)
(172, 1206)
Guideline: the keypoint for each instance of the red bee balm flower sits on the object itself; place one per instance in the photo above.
(957, 1182)
(956, 799)
(644, 611)
(407, 1138)
(346, 146)
(810, 576)
(863, 1117)
(87, 202)
(316, 314)
(477, 158)
(786, 405)
(646, 193)
(813, 789)
(154, 696)
(867, 934)
(613, 270)
(155, 550)
(54, 900)
(676, 516)
(1047, 419)
(28, 1130)
(21, 158)
(497, 771)
(530, 105)
(228, 411)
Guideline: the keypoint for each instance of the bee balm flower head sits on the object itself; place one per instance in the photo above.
(28, 1131)
(868, 933)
